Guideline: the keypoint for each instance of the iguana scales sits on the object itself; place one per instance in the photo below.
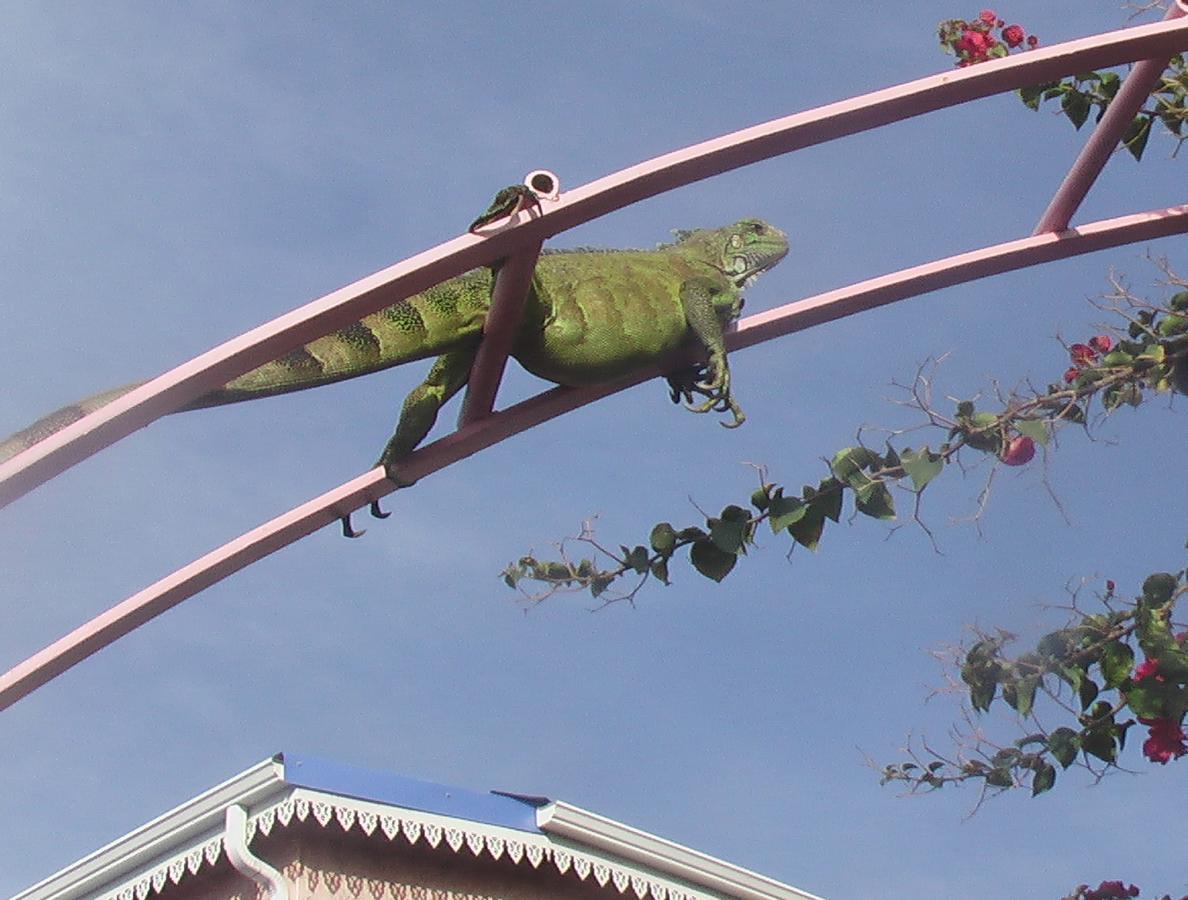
(590, 316)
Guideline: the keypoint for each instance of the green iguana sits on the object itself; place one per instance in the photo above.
(591, 316)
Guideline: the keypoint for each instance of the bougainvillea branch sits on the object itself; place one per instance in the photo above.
(1151, 358)
(1091, 673)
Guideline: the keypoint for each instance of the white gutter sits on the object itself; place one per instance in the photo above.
(235, 843)
(195, 820)
(665, 856)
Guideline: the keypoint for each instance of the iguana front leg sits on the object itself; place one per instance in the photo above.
(419, 412)
(701, 299)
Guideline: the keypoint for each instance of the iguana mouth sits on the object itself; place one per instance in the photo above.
(746, 269)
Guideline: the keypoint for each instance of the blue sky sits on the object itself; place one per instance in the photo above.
(175, 175)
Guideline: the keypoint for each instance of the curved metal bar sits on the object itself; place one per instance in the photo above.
(190, 380)
(331, 506)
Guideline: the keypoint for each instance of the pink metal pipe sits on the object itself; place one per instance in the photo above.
(172, 390)
(1139, 84)
(499, 333)
(799, 315)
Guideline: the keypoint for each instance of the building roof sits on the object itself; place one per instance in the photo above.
(528, 830)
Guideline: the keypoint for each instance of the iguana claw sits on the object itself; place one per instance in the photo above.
(715, 388)
(376, 512)
(348, 530)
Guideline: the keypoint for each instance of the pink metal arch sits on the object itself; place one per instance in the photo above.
(216, 367)
(166, 393)
(324, 510)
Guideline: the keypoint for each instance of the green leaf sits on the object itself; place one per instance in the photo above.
(921, 467)
(1087, 691)
(785, 511)
(1031, 95)
(1148, 699)
(1054, 645)
(761, 498)
(1100, 743)
(1034, 429)
(1158, 588)
(600, 584)
(1024, 694)
(1077, 107)
(1064, 744)
(1137, 133)
(1117, 662)
(1000, 778)
(807, 531)
(692, 533)
(1007, 756)
(981, 695)
(1117, 358)
(1043, 779)
(1074, 675)
(711, 561)
(875, 501)
(984, 420)
(849, 465)
(638, 559)
(965, 409)
(663, 538)
(730, 531)
(660, 571)
(851, 460)
(828, 499)
(1155, 353)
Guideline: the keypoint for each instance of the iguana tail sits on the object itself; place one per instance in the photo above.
(56, 421)
(446, 317)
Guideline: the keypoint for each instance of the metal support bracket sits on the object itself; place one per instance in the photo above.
(512, 284)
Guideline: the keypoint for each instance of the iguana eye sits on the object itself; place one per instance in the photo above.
(757, 228)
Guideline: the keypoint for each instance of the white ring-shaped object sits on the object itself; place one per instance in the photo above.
(545, 184)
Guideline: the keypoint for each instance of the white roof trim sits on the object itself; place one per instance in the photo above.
(192, 823)
(181, 842)
(594, 830)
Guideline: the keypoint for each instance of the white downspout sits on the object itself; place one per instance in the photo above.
(238, 854)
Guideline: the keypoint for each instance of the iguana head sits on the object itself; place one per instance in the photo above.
(740, 251)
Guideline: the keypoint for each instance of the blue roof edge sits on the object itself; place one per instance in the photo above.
(493, 808)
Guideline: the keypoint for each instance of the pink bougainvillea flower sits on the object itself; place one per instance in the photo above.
(1070, 375)
(1166, 741)
(1101, 343)
(1110, 585)
(1032, 41)
(1019, 451)
(989, 16)
(972, 42)
(1148, 668)
(1082, 354)
(1110, 890)
(1013, 35)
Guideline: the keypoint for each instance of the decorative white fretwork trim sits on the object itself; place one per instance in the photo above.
(345, 814)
